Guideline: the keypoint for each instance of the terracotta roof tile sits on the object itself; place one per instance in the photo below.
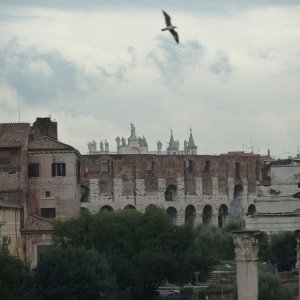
(37, 223)
(47, 143)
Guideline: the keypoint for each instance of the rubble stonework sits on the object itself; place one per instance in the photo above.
(167, 181)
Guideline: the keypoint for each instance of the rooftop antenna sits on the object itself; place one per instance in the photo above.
(19, 111)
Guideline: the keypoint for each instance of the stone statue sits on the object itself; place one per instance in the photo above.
(94, 146)
(140, 142)
(123, 142)
(118, 140)
(159, 146)
(106, 146)
(90, 147)
(101, 146)
(132, 131)
(185, 145)
(145, 144)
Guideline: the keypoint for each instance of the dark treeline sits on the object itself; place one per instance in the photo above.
(123, 255)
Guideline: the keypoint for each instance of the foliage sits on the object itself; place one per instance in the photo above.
(283, 250)
(143, 250)
(269, 288)
(74, 273)
(263, 247)
(228, 244)
(12, 275)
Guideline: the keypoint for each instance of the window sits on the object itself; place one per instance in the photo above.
(104, 165)
(257, 169)
(33, 170)
(150, 167)
(189, 165)
(237, 170)
(58, 169)
(4, 160)
(207, 166)
(171, 192)
(47, 194)
(48, 213)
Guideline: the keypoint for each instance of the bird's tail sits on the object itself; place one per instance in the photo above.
(164, 29)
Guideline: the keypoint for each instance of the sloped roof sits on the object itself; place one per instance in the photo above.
(13, 135)
(47, 143)
(6, 204)
(37, 223)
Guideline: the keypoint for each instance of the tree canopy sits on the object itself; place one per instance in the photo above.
(142, 250)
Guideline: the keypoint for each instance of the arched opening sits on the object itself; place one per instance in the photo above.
(223, 215)
(171, 192)
(172, 213)
(106, 208)
(251, 210)
(207, 215)
(129, 206)
(150, 207)
(238, 191)
(190, 213)
(84, 193)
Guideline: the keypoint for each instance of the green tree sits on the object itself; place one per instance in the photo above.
(74, 273)
(228, 244)
(12, 275)
(263, 247)
(283, 250)
(142, 250)
(269, 288)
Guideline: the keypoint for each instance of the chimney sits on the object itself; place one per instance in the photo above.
(45, 127)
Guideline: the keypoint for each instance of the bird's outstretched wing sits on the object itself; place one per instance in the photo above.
(175, 35)
(167, 18)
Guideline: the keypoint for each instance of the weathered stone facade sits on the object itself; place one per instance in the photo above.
(277, 205)
(207, 188)
(39, 182)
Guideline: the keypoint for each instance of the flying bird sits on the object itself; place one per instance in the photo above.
(170, 27)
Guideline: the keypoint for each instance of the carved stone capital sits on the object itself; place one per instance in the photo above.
(246, 245)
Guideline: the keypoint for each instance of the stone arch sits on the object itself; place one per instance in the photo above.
(129, 206)
(190, 213)
(251, 210)
(106, 208)
(150, 207)
(172, 213)
(171, 192)
(238, 191)
(223, 215)
(207, 214)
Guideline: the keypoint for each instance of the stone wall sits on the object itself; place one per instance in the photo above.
(189, 188)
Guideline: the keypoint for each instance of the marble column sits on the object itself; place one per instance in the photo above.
(246, 253)
(297, 233)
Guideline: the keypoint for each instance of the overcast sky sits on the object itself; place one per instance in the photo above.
(97, 66)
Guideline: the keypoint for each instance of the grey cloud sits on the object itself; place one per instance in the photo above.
(133, 56)
(174, 61)
(265, 53)
(222, 65)
(154, 4)
(40, 76)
